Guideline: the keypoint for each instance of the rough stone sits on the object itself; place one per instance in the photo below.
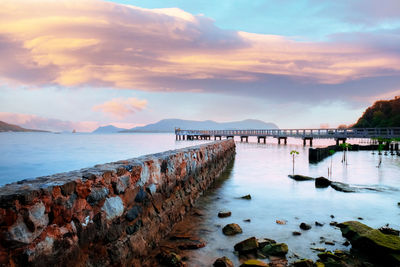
(305, 226)
(224, 214)
(223, 262)
(298, 177)
(96, 195)
(113, 207)
(246, 246)
(278, 249)
(232, 229)
(133, 213)
(322, 182)
(82, 218)
(372, 241)
(262, 242)
(343, 187)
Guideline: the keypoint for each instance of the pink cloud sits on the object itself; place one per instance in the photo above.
(96, 43)
(36, 122)
(121, 107)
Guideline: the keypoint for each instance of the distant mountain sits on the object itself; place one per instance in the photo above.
(108, 129)
(6, 127)
(168, 125)
(384, 113)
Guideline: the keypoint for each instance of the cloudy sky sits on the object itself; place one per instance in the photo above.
(79, 64)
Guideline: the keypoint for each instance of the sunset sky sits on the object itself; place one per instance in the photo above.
(78, 64)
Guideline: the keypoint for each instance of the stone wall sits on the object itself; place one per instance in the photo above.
(109, 215)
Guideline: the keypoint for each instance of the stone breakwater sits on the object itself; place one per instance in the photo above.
(111, 214)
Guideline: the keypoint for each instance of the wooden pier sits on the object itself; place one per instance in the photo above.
(340, 135)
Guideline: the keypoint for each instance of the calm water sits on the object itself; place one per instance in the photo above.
(259, 169)
(29, 155)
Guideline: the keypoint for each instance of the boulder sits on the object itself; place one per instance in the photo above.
(372, 241)
(247, 246)
(224, 214)
(277, 249)
(246, 197)
(232, 229)
(254, 263)
(305, 226)
(322, 182)
(223, 262)
(298, 177)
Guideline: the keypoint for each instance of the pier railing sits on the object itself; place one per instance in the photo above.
(301, 133)
(283, 134)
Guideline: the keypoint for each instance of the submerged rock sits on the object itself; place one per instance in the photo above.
(343, 187)
(319, 224)
(305, 226)
(246, 197)
(278, 249)
(254, 263)
(322, 182)
(232, 229)
(298, 177)
(247, 246)
(223, 262)
(224, 214)
(295, 233)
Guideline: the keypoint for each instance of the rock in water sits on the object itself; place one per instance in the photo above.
(246, 197)
(372, 241)
(224, 214)
(223, 262)
(298, 177)
(232, 229)
(343, 187)
(305, 226)
(321, 182)
(247, 246)
(278, 249)
(254, 263)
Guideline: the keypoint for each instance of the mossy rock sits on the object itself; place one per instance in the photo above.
(254, 263)
(369, 239)
(278, 249)
(246, 246)
(232, 229)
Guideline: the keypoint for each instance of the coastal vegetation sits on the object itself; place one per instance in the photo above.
(7, 127)
(381, 114)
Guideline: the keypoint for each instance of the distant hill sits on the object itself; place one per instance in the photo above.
(168, 125)
(6, 127)
(108, 129)
(384, 113)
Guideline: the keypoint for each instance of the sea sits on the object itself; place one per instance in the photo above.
(260, 170)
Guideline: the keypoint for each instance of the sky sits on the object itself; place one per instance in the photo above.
(80, 64)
